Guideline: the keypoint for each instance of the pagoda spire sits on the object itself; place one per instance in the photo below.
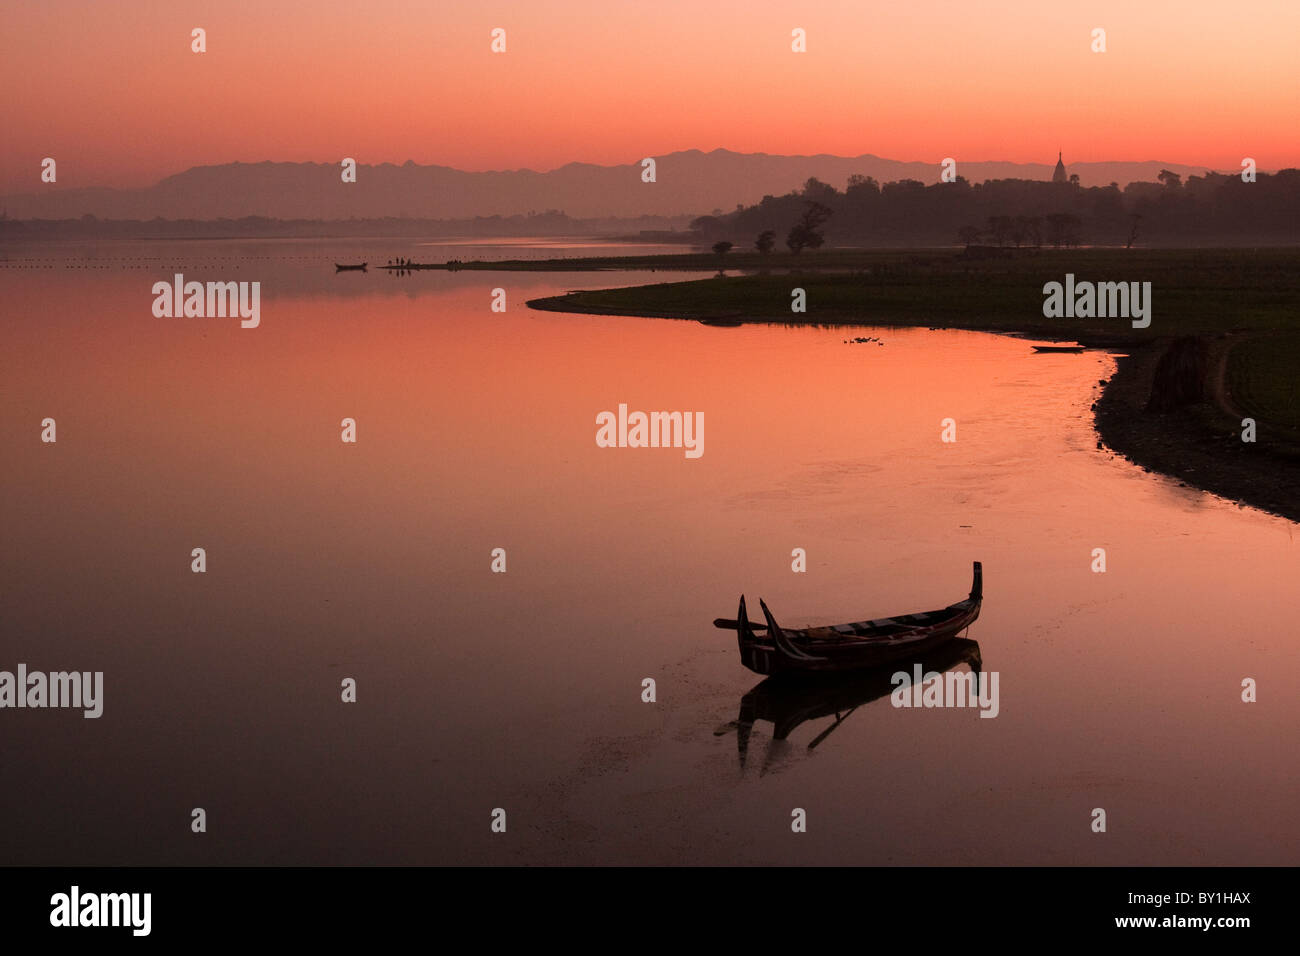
(1059, 175)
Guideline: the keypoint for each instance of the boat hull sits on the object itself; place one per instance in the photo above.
(857, 646)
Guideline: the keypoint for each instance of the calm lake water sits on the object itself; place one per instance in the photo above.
(522, 691)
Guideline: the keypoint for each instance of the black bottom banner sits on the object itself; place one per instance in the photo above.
(95, 905)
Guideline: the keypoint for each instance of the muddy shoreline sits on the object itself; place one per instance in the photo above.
(1199, 445)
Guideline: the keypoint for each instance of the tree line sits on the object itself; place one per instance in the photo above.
(1214, 208)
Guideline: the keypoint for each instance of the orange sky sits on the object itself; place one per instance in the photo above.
(112, 91)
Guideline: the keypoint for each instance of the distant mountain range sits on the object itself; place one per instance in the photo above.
(687, 183)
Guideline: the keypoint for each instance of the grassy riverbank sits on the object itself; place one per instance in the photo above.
(1194, 291)
(1242, 305)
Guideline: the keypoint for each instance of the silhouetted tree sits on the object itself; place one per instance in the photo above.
(1034, 226)
(1170, 179)
(722, 247)
(814, 190)
(765, 242)
(1018, 230)
(1063, 229)
(1133, 233)
(805, 234)
(999, 229)
(861, 188)
(708, 226)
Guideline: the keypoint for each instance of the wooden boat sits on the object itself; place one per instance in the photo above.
(845, 647)
(357, 268)
(788, 702)
(1059, 348)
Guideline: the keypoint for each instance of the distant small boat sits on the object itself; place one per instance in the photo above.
(845, 647)
(356, 268)
(1060, 348)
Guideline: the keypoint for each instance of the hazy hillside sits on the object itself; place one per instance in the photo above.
(690, 182)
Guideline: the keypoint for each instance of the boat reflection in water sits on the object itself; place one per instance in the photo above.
(788, 700)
